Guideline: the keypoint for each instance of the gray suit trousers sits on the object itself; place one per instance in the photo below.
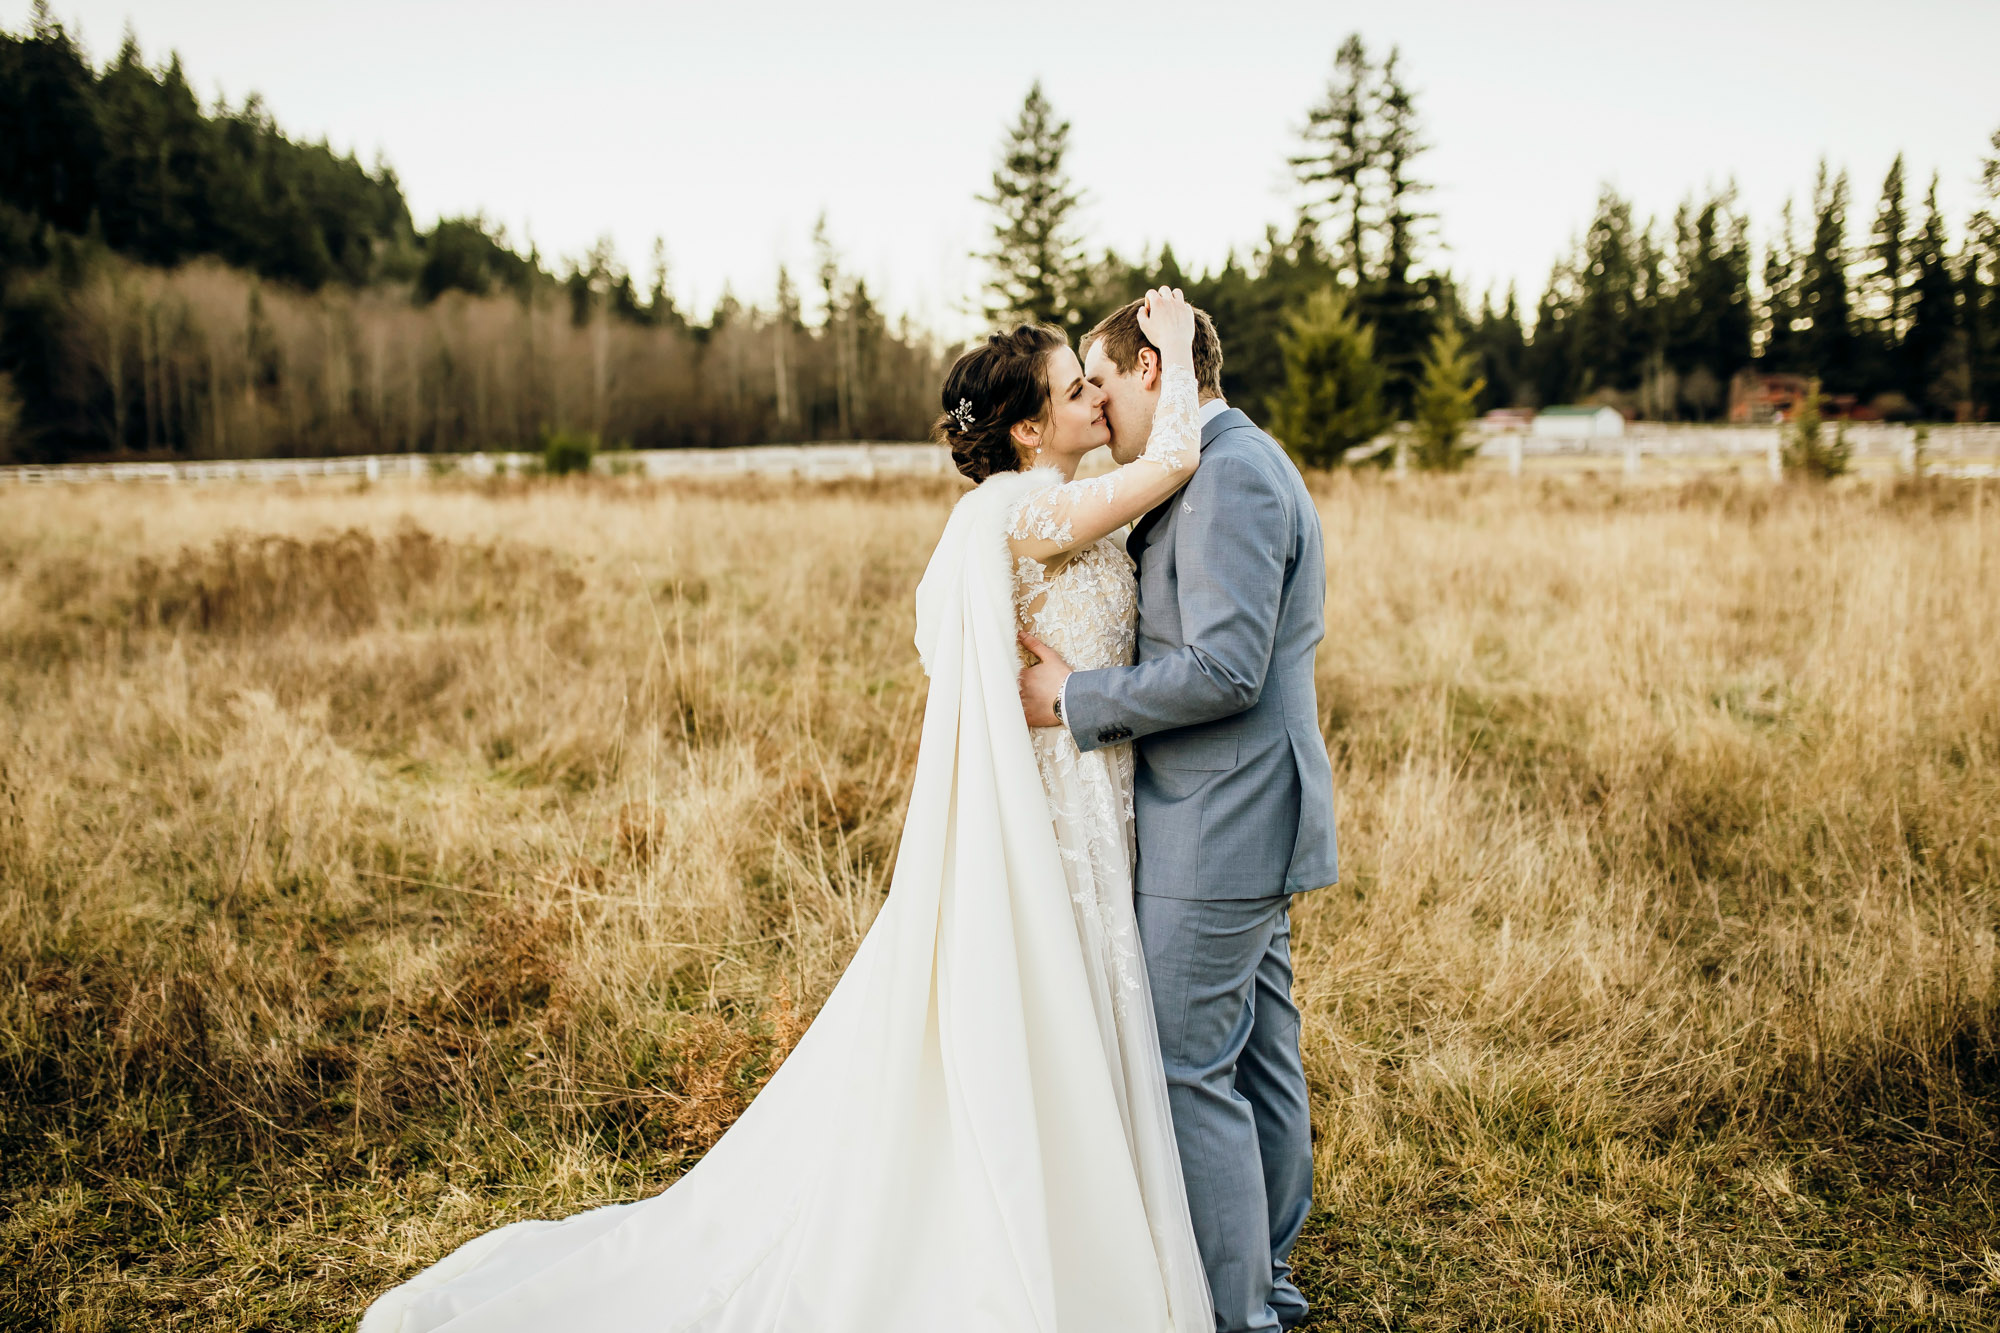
(1221, 972)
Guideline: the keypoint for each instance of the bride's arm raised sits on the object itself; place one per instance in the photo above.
(1068, 517)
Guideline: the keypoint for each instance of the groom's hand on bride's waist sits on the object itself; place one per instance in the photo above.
(1041, 684)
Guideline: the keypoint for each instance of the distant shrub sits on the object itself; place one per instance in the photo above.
(1445, 399)
(1807, 451)
(1332, 399)
(564, 452)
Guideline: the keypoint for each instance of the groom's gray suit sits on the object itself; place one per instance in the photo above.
(1234, 800)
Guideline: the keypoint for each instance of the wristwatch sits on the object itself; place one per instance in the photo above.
(1058, 708)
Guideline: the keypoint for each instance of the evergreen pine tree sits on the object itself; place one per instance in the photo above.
(1783, 347)
(1983, 290)
(1498, 340)
(1932, 354)
(787, 324)
(1827, 343)
(1708, 322)
(1722, 288)
(1332, 397)
(1396, 303)
(660, 308)
(1036, 259)
(1885, 284)
(1657, 292)
(1445, 399)
(867, 331)
(1607, 353)
(1338, 158)
(836, 329)
(1551, 363)
(50, 154)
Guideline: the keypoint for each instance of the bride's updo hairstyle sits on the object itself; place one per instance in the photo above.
(1002, 381)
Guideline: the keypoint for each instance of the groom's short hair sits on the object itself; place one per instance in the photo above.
(1120, 333)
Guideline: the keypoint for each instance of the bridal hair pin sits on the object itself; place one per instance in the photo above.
(962, 414)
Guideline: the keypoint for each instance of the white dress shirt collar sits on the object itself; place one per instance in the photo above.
(1212, 409)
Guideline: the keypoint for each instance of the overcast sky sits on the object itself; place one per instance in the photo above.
(727, 128)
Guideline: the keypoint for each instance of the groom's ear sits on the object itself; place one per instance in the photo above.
(1149, 368)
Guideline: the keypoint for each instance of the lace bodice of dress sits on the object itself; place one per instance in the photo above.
(1086, 609)
(1084, 604)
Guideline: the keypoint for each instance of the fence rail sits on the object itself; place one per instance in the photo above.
(1967, 451)
(1868, 438)
(1971, 450)
(813, 462)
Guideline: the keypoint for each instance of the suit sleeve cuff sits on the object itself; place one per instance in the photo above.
(1089, 715)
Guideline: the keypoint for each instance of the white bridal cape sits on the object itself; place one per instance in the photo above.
(951, 1145)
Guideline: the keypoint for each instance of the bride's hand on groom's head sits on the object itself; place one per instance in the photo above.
(1167, 320)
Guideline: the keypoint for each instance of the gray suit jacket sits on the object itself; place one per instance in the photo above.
(1233, 789)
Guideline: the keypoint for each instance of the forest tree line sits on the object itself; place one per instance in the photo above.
(187, 281)
(1350, 311)
(184, 281)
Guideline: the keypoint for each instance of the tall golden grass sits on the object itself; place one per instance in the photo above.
(384, 865)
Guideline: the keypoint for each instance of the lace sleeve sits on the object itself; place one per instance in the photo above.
(1059, 519)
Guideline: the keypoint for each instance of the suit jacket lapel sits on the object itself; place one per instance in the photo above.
(1229, 419)
(1142, 531)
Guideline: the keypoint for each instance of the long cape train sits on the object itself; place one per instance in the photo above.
(943, 1149)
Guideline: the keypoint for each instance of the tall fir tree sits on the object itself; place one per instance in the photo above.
(1781, 349)
(1707, 326)
(1338, 157)
(1883, 290)
(1037, 258)
(1607, 351)
(1935, 368)
(1983, 289)
(660, 307)
(1449, 388)
(835, 329)
(1332, 395)
(49, 157)
(1400, 305)
(1826, 303)
(1501, 345)
(1656, 380)
(1551, 364)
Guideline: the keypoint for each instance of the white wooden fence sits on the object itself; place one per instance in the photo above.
(1954, 450)
(1965, 451)
(811, 462)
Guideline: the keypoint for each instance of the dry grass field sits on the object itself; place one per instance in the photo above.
(378, 866)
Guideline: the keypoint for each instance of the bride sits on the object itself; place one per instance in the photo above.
(974, 1132)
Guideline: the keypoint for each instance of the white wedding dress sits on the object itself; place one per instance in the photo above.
(973, 1134)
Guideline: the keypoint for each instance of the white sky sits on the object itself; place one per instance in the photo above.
(727, 128)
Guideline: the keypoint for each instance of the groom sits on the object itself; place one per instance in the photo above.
(1234, 799)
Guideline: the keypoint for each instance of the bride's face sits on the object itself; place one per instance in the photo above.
(1076, 423)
